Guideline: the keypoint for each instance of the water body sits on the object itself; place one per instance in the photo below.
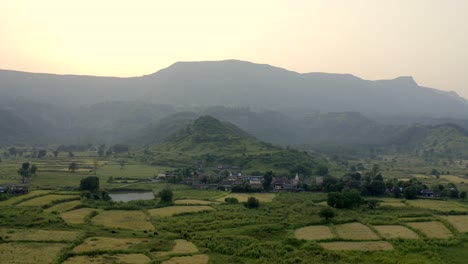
(131, 196)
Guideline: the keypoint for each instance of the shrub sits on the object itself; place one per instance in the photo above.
(90, 184)
(252, 202)
(327, 213)
(231, 200)
(165, 195)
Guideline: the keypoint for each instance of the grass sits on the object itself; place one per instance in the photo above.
(357, 246)
(181, 247)
(62, 207)
(117, 258)
(37, 253)
(395, 232)
(437, 205)
(195, 259)
(432, 229)
(77, 216)
(20, 198)
(108, 243)
(454, 179)
(242, 197)
(193, 202)
(355, 231)
(9, 234)
(47, 199)
(460, 222)
(174, 210)
(314, 233)
(132, 220)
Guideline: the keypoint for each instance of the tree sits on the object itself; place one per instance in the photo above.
(55, 152)
(90, 183)
(101, 150)
(24, 171)
(42, 153)
(70, 154)
(33, 169)
(165, 195)
(410, 192)
(252, 202)
(327, 213)
(267, 179)
(72, 167)
(12, 151)
(122, 163)
(348, 199)
(322, 170)
(463, 195)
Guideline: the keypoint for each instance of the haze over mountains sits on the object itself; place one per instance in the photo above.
(270, 103)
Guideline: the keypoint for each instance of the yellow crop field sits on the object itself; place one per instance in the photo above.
(174, 210)
(108, 243)
(443, 206)
(358, 246)
(118, 258)
(460, 222)
(396, 231)
(195, 259)
(133, 220)
(242, 197)
(77, 216)
(193, 202)
(47, 199)
(33, 253)
(9, 234)
(454, 179)
(61, 207)
(20, 198)
(318, 232)
(355, 231)
(432, 229)
(181, 247)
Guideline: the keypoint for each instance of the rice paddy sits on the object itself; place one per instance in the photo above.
(77, 216)
(174, 210)
(460, 222)
(47, 199)
(314, 233)
(357, 246)
(355, 231)
(106, 258)
(108, 243)
(62, 207)
(20, 198)
(242, 197)
(181, 247)
(29, 253)
(193, 202)
(195, 259)
(432, 229)
(437, 205)
(395, 232)
(132, 220)
(9, 234)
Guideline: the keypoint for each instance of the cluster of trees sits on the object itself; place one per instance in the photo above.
(26, 171)
(103, 150)
(89, 187)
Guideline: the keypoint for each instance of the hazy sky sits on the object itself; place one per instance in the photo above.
(373, 39)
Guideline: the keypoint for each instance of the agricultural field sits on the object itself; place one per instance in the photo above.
(437, 205)
(192, 202)
(8, 234)
(133, 220)
(460, 222)
(318, 232)
(357, 246)
(77, 216)
(355, 231)
(108, 243)
(432, 229)
(117, 258)
(242, 197)
(19, 253)
(62, 207)
(181, 247)
(194, 259)
(47, 199)
(174, 210)
(396, 232)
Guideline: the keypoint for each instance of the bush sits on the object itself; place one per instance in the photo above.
(327, 213)
(252, 202)
(166, 195)
(348, 199)
(90, 184)
(231, 200)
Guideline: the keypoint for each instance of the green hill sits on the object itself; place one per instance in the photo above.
(208, 142)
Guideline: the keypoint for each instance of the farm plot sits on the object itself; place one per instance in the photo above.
(118, 258)
(460, 222)
(242, 197)
(174, 210)
(454, 179)
(396, 231)
(47, 199)
(432, 229)
(314, 233)
(108, 243)
(195, 259)
(20, 198)
(357, 246)
(181, 247)
(9, 234)
(437, 205)
(62, 207)
(355, 231)
(193, 202)
(392, 202)
(34, 253)
(77, 216)
(133, 220)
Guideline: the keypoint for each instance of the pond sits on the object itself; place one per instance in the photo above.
(131, 196)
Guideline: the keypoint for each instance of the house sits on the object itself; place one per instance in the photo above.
(426, 193)
(19, 189)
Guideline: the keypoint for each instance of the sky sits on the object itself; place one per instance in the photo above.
(372, 39)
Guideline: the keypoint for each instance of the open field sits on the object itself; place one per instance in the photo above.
(133, 220)
(355, 231)
(9, 234)
(314, 233)
(20, 198)
(77, 216)
(62, 207)
(181, 247)
(174, 210)
(432, 229)
(242, 197)
(443, 206)
(395, 232)
(47, 199)
(29, 253)
(108, 243)
(193, 202)
(195, 259)
(117, 258)
(454, 179)
(460, 222)
(357, 246)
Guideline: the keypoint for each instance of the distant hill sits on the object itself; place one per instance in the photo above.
(239, 84)
(13, 129)
(208, 142)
